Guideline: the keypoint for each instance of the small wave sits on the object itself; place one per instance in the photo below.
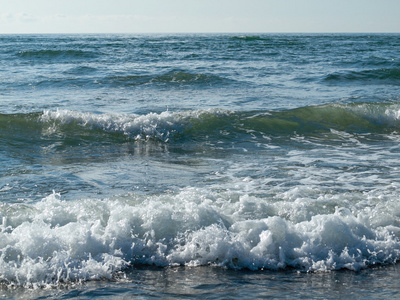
(185, 77)
(248, 38)
(175, 77)
(48, 54)
(378, 76)
(273, 41)
(126, 80)
(55, 83)
(81, 70)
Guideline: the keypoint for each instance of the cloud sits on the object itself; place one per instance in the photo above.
(23, 17)
(7, 17)
(26, 17)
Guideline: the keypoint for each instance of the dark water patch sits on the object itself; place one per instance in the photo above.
(81, 70)
(64, 82)
(375, 76)
(127, 80)
(173, 78)
(248, 38)
(370, 62)
(245, 47)
(57, 55)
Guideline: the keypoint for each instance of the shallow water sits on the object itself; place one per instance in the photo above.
(216, 283)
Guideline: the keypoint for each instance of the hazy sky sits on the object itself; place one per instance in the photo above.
(142, 16)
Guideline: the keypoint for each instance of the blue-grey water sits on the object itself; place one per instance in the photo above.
(213, 166)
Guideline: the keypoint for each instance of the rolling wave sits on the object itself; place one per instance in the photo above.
(178, 77)
(212, 123)
(88, 78)
(352, 118)
(379, 76)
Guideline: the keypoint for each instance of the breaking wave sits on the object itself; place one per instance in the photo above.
(207, 124)
(55, 242)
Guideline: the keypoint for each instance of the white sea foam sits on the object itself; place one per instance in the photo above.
(55, 241)
(135, 126)
(152, 125)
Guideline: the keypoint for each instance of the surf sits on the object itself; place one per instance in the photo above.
(54, 242)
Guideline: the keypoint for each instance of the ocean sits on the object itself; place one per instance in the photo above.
(220, 166)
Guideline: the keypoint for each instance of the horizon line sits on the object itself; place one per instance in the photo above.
(207, 32)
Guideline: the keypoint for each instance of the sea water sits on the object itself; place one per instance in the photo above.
(215, 165)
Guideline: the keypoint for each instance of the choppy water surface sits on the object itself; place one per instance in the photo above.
(146, 165)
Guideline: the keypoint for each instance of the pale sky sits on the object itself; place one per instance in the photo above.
(175, 16)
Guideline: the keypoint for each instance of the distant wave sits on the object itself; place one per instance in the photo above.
(81, 70)
(378, 76)
(248, 38)
(49, 54)
(179, 77)
(85, 76)
(268, 42)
